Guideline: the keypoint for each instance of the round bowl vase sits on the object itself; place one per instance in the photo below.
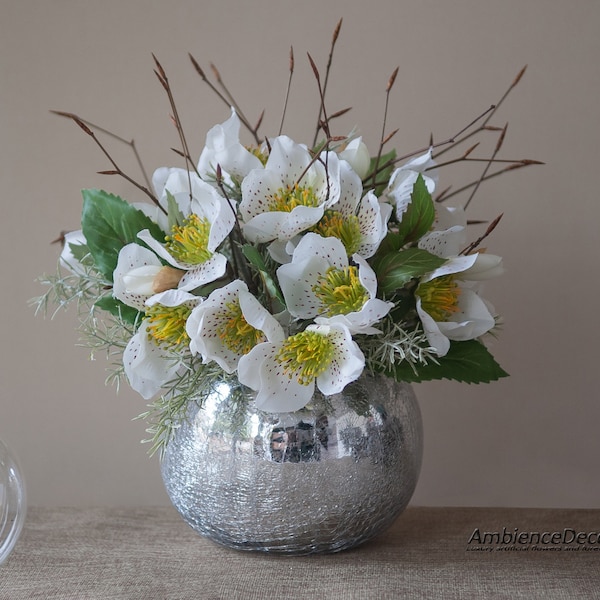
(323, 479)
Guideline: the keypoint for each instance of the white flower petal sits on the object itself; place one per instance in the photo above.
(146, 367)
(67, 260)
(485, 267)
(207, 321)
(472, 320)
(257, 316)
(404, 178)
(260, 371)
(357, 155)
(135, 265)
(437, 340)
(223, 148)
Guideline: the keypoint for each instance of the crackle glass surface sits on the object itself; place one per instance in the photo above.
(323, 479)
(13, 505)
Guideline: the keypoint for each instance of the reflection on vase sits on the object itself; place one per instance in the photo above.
(306, 441)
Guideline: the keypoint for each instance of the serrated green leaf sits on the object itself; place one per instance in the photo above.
(468, 362)
(397, 269)
(115, 307)
(419, 215)
(109, 223)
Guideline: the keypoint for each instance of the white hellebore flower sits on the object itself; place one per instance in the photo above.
(357, 154)
(284, 373)
(151, 357)
(290, 194)
(191, 245)
(448, 304)
(228, 324)
(223, 149)
(321, 282)
(404, 178)
(360, 222)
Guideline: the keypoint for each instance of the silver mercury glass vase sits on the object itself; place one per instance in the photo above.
(323, 479)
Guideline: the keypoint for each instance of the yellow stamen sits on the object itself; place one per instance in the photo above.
(439, 297)
(285, 200)
(166, 324)
(256, 151)
(188, 243)
(236, 333)
(340, 291)
(344, 228)
(306, 355)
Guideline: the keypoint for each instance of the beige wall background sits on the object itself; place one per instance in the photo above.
(530, 440)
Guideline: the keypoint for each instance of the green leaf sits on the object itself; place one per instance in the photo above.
(115, 307)
(258, 262)
(397, 269)
(468, 362)
(81, 253)
(419, 215)
(109, 223)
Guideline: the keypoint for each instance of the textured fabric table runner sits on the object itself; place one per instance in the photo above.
(441, 553)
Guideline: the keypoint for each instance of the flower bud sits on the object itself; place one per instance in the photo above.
(357, 154)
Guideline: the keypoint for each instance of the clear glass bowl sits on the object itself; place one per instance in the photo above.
(13, 501)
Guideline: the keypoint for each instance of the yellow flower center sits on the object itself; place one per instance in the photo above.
(256, 151)
(439, 297)
(166, 324)
(236, 333)
(285, 200)
(188, 243)
(344, 228)
(340, 291)
(306, 355)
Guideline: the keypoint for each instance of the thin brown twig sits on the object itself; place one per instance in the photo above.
(130, 143)
(324, 122)
(235, 237)
(430, 146)
(444, 197)
(388, 89)
(220, 95)
(287, 92)
(487, 166)
(480, 239)
(334, 37)
(117, 170)
(494, 109)
(162, 77)
(233, 102)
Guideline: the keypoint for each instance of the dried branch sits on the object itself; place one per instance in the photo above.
(86, 126)
(287, 92)
(384, 138)
(162, 77)
(480, 239)
(321, 114)
(226, 97)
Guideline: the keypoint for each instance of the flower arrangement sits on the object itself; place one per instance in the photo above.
(285, 266)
